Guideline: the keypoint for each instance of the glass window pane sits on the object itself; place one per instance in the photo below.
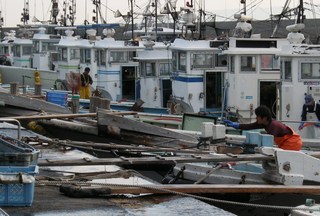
(182, 61)
(116, 56)
(231, 67)
(310, 70)
(26, 50)
(164, 69)
(221, 60)
(202, 60)
(150, 69)
(248, 63)
(287, 71)
(269, 62)
(74, 54)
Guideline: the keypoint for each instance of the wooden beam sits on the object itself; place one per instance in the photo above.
(105, 119)
(132, 147)
(159, 160)
(153, 160)
(54, 116)
(217, 188)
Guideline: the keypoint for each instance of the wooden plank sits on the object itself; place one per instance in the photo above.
(164, 160)
(216, 188)
(153, 160)
(56, 116)
(105, 119)
(113, 146)
(31, 103)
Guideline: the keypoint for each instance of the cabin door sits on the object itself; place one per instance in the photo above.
(128, 82)
(269, 95)
(213, 90)
(166, 87)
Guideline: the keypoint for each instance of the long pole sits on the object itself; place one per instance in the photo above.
(156, 17)
(132, 23)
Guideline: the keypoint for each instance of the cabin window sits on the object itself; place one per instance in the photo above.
(63, 54)
(269, 63)
(142, 69)
(132, 55)
(36, 46)
(5, 50)
(102, 58)
(150, 69)
(116, 56)
(74, 54)
(182, 61)
(164, 69)
(48, 47)
(174, 61)
(26, 50)
(202, 60)
(16, 51)
(232, 63)
(310, 70)
(248, 63)
(85, 56)
(287, 70)
(221, 60)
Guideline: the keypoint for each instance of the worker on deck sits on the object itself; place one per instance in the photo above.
(86, 81)
(284, 136)
(308, 106)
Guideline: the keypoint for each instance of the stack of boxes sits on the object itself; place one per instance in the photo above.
(18, 166)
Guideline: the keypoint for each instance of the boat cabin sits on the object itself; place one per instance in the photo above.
(300, 75)
(153, 81)
(45, 54)
(22, 52)
(116, 67)
(253, 76)
(198, 75)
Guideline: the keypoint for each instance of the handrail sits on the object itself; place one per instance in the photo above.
(13, 120)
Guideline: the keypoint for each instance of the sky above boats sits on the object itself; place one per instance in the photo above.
(224, 9)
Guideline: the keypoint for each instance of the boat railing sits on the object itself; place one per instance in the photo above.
(16, 121)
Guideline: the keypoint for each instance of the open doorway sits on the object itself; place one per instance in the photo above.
(213, 90)
(268, 95)
(166, 91)
(128, 82)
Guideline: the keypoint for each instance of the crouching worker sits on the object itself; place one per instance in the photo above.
(284, 136)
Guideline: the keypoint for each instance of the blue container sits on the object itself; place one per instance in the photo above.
(16, 153)
(17, 185)
(267, 140)
(60, 98)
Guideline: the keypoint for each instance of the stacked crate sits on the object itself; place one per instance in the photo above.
(18, 166)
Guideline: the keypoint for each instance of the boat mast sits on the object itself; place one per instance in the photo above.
(54, 11)
(300, 15)
(244, 6)
(97, 11)
(25, 14)
(155, 5)
(132, 23)
(72, 12)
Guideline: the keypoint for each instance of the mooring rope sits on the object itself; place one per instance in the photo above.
(152, 188)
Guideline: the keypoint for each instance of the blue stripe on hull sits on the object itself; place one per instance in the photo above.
(188, 79)
(108, 72)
